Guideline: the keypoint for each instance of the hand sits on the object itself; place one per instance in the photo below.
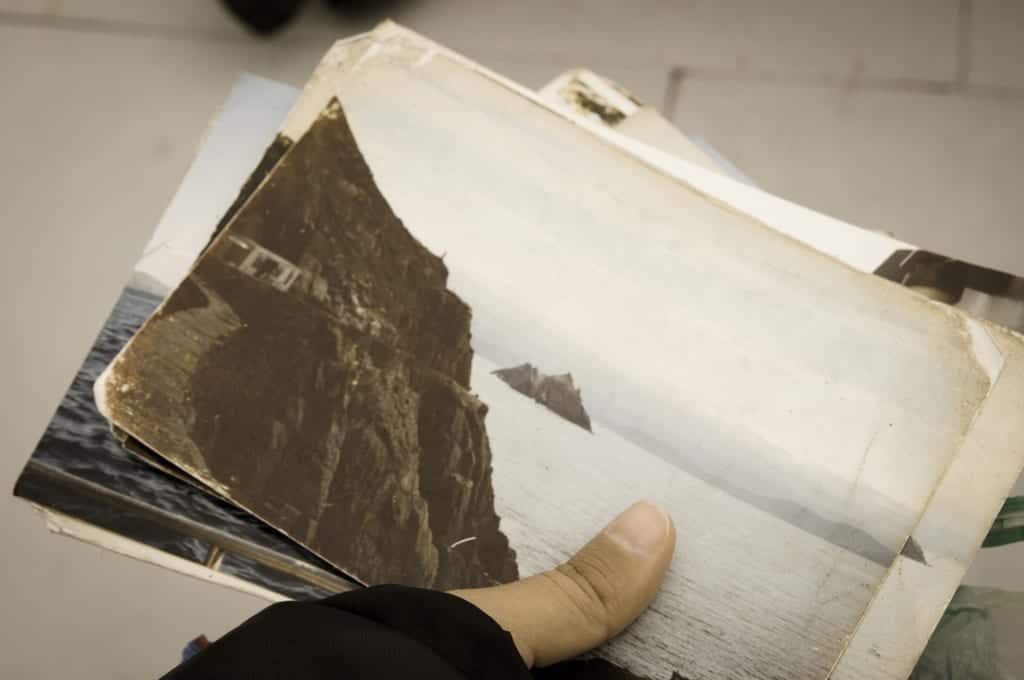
(577, 606)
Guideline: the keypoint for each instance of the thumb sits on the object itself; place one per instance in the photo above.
(575, 607)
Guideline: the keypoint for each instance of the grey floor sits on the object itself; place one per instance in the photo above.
(901, 116)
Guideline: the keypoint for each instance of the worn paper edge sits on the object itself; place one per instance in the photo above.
(893, 599)
(71, 527)
(898, 623)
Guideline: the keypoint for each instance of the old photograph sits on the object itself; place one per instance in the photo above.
(320, 377)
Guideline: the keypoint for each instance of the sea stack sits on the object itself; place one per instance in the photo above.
(556, 392)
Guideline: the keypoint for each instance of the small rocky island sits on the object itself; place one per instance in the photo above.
(556, 392)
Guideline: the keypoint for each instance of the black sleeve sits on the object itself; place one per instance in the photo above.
(380, 632)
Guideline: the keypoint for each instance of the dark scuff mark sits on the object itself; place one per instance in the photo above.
(594, 104)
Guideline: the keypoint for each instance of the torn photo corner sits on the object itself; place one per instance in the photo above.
(316, 368)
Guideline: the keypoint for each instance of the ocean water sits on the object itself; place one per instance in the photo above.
(748, 596)
(78, 441)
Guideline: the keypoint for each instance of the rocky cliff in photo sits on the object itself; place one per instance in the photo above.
(314, 368)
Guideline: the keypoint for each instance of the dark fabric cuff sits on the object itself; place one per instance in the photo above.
(380, 632)
(460, 633)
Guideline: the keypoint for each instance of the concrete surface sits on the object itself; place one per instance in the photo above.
(905, 116)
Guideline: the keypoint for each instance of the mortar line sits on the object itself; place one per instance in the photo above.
(964, 43)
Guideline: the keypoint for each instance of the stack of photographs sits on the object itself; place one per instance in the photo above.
(439, 338)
